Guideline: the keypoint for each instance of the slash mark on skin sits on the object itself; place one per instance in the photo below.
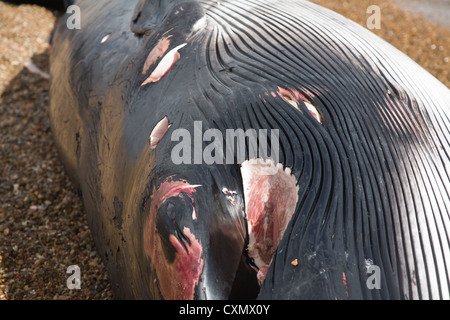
(158, 132)
(271, 195)
(293, 97)
(166, 63)
(156, 53)
(105, 38)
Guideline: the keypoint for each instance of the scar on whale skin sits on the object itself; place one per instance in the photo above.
(271, 195)
(166, 63)
(158, 132)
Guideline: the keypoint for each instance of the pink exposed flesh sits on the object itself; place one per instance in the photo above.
(158, 132)
(271, 195)
(166, 63)
(176, 280)
(293, 96)
(156, 53)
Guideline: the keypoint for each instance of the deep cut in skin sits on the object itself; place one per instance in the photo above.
(156, 53)
(271, 195)
(158, 132)
(177, 279)
(166, 63)
(293, 97)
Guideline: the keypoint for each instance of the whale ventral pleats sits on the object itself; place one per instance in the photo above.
(271, 195)
(105, 38)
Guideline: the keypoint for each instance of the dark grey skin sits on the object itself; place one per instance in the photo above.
(373, 174)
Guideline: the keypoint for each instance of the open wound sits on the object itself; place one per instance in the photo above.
(271, 195)
(158, 132)
(177, 278)
(293, 97)
(166, 63)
